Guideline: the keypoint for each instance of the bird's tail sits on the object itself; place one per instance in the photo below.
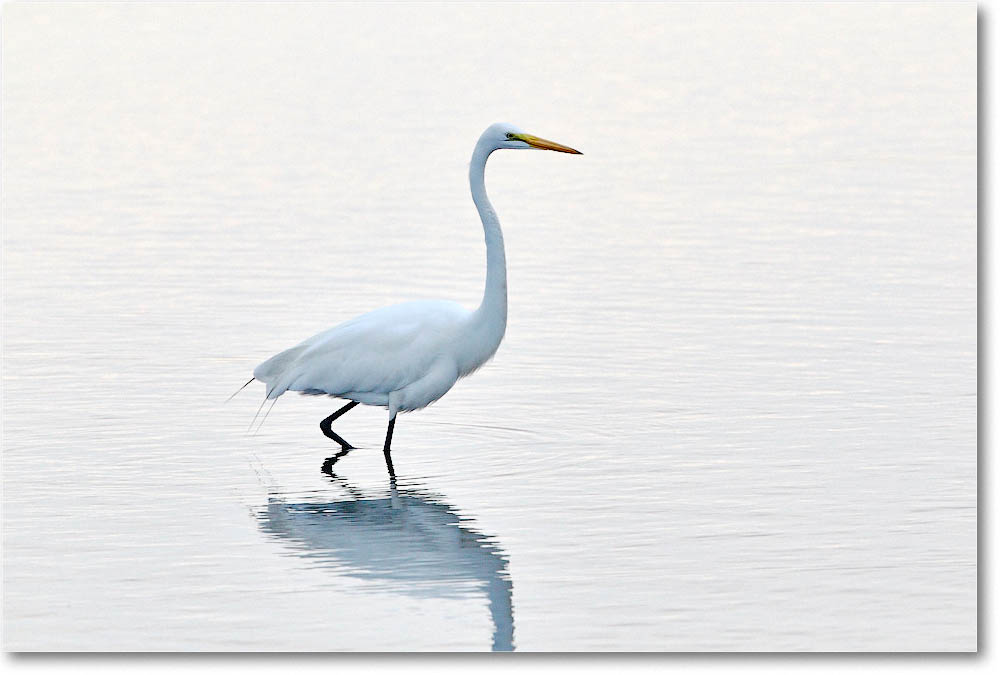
(278, 375)
(240, 389)
(257, 414)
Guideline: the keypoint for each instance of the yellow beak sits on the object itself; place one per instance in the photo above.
(541, 143)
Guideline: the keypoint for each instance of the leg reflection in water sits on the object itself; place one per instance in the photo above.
(330, 461)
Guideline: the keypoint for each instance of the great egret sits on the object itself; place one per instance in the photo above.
(407, 356)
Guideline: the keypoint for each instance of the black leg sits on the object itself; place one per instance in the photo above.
(385, 450)
(328, 431)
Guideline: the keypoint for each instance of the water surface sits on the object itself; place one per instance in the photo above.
(735, 408)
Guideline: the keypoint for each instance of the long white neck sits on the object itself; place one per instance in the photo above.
(491, 316)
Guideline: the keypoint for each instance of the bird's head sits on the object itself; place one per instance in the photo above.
(506, 136)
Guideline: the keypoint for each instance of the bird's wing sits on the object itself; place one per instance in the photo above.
(379, 352)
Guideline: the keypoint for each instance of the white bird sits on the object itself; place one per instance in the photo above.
(407, 356)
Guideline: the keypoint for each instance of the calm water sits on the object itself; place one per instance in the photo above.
(736, 404)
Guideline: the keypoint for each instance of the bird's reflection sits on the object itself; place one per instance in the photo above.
(408, 537)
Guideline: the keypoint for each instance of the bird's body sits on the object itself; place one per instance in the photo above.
(405, 357)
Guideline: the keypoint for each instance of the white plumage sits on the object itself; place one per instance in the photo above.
(403, 357)
(407, 356)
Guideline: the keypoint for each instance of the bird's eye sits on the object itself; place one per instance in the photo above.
(510, 136)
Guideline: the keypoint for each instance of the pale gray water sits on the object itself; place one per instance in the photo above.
(736, 404)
